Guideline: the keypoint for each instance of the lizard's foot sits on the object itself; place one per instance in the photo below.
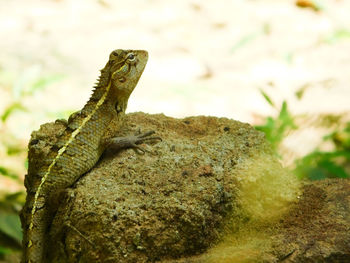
(133, 141)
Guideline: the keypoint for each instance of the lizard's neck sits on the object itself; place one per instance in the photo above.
(100, 93)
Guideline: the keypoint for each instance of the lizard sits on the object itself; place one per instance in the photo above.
(80, 146)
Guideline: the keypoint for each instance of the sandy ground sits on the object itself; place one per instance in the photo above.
(206, 57)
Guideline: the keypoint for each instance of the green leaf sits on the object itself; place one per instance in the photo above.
(4, 251)
(244, 41)
(6, 172)
(43, 82)
(276, 129)
(10, 225)
(284, 111)
(267, 97)
(316, 174)
(10, 109)
(342, 33)
(31, 81)
(300, 92)
(11, 200)
(320, 165)
(335, 154)
(286, 118)
(337, 35)
(15, 149)
(333, 169)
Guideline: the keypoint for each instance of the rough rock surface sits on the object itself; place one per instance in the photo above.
(179, 202)
(167, 203)
(316, 229)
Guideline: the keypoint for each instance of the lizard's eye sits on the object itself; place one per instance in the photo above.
(131, 57)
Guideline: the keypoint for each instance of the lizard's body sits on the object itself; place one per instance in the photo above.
(79, 146)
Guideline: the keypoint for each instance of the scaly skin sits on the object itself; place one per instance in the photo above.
(79, 147)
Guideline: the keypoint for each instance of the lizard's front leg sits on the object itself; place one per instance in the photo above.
(132, 141)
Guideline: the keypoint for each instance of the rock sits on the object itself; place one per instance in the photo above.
(318, 226)
(165, 204)
(211, 191)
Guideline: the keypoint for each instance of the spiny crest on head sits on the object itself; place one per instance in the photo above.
(115, 57)
(100, 85)
(103, 79)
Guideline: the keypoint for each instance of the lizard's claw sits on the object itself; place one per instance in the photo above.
(134, 141)
(142, 138)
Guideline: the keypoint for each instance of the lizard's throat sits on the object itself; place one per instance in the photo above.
(119, 98)
(120, 106)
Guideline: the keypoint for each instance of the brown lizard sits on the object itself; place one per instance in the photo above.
(80, 146)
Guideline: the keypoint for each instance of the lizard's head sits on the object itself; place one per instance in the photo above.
(124, 69)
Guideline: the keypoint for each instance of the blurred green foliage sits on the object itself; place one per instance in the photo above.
(276, 129)
(317, 164)
(20, 87)
(10, 225)
(249, 38)
(337, 35)
(334, 164)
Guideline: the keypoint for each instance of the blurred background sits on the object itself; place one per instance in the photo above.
(280, 65)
